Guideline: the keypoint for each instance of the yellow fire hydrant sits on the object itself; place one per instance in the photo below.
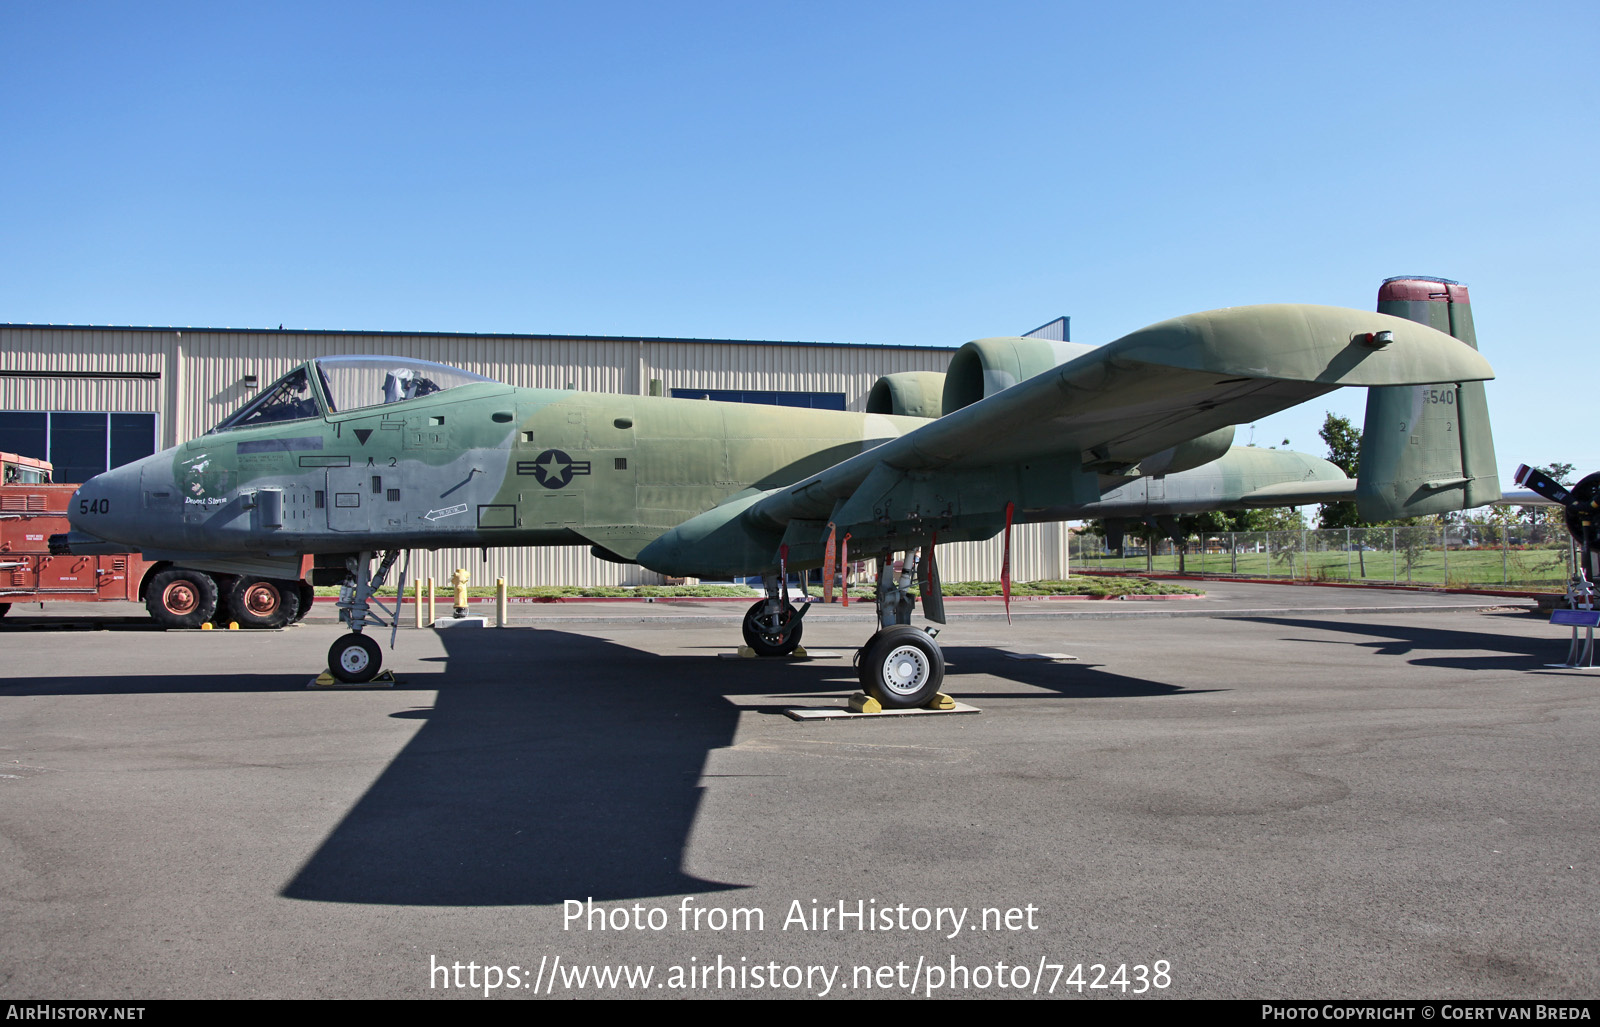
(459, 580)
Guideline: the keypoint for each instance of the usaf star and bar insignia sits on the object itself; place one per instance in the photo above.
(553, 469)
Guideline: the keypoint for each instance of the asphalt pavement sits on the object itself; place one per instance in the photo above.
(1255, 794)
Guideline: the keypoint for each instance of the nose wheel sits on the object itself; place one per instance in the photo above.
(772, 632)
(355, 659)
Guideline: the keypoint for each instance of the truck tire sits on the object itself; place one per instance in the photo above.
(263, 602)
(180, 598)
(308, 595)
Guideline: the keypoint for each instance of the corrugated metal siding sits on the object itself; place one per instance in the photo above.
(118, 395)
(83, 349)
(1038, 553)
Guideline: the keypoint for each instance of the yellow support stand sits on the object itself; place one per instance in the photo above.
(432, 616)
(500, 602)
(418, 601)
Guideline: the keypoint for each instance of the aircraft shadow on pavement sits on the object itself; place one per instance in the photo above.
(553, 766)
(158, 684)
(1485, 650)
(556, 765)
(1074, 680)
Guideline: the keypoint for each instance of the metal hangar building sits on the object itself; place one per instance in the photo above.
(88, 398)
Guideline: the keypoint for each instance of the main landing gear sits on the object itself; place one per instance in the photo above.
(900, 665)
(355, 658)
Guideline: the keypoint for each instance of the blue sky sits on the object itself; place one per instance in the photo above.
(891, 173)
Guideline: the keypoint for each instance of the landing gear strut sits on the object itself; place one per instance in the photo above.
(900, 665)
(355, 658)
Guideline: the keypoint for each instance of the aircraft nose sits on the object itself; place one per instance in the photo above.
(108, 504)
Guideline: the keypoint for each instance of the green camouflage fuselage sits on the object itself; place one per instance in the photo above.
(492, 465)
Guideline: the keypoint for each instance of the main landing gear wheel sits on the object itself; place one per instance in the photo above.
(355, 659)
(760, 637)
(179, 598)
(901, 667)
(263, 603)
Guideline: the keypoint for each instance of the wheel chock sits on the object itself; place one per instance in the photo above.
(207, 626)
(863, 705)
(800, 653)
(326, 681)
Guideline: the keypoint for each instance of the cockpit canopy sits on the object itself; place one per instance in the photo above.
(348, 383)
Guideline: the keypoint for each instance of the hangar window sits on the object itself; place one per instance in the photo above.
(814, 400)
(80, 445)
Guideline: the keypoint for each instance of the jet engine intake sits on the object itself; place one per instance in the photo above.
(987, 366)
(908, 394)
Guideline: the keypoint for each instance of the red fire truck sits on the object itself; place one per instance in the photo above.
(32, 509)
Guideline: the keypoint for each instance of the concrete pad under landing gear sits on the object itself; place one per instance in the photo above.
(863, 705)
(800, 653)
(325, 680)
(461, 622)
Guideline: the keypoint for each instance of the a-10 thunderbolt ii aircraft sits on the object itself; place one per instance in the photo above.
(357, 458)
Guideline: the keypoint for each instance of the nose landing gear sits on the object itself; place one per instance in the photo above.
(355, 658)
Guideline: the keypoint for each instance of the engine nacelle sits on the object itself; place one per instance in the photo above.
(908, 393)
(1186, 456)
(987, 366)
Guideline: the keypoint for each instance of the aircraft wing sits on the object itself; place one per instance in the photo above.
(1158, 387)
(1043, 443)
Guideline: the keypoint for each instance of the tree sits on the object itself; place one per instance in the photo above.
(1344, 452)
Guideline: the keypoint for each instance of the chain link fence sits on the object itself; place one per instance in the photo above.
(1465, 556)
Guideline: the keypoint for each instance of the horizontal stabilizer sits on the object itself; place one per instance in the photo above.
(1301, 493)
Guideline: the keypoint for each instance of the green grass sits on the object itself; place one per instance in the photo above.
(1532, 569)
(1091, 586)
